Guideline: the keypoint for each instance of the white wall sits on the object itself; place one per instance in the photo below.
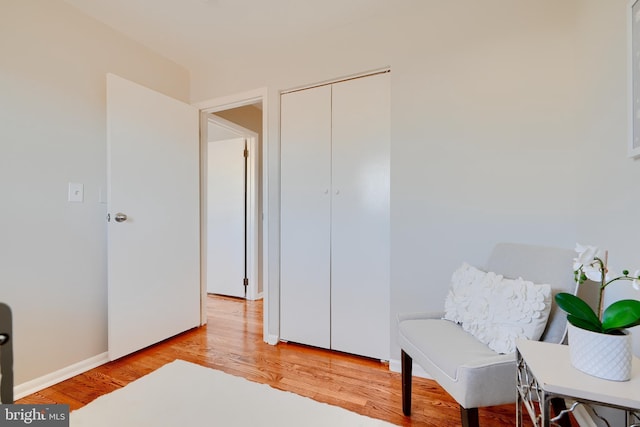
(53, 62)
(607, 182)
(505, 114)
(509, 122)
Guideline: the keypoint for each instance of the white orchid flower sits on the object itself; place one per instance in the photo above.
(591, 263)
(586, 256)
(592, 273)
(586, 261)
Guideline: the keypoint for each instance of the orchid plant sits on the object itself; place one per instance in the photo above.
(591, 263)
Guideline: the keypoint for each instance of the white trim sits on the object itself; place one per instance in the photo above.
(272, 339)
(204, 124)
(396, 366)
(232, 101)
(253, 219)
(632, 152)
(37, 384)
(230, 126)
(239, 100)
(340, 79)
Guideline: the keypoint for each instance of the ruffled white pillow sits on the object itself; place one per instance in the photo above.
(496, 310)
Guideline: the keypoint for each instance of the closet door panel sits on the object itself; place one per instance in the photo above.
(360, 217)
(305, 216)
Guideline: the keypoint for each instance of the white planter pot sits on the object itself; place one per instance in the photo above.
(601, 355)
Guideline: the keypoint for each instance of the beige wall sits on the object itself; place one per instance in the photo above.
(508, 124)
(53, 62)
(607, 183)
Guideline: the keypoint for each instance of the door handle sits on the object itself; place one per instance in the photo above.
(120, 217)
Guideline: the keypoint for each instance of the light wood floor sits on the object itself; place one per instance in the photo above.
(232, 342)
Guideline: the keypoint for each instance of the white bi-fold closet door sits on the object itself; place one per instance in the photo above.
(335, 166)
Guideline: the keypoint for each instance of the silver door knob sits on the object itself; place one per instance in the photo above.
(120, 217)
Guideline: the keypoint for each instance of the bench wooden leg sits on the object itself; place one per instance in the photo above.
(469, 417)
(407, 368)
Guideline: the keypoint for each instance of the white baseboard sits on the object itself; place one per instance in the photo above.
(396, 366)
(272, 339)
(256, 297)
(37, 384)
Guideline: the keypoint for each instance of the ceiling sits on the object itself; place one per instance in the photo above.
(197, 33)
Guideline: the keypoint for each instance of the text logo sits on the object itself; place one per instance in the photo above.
(34, 415)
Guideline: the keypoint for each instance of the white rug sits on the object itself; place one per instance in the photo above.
(183, 394)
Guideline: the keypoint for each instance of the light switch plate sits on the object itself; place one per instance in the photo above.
(76, 192)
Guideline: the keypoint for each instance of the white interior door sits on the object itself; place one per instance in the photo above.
(360, 264)
(153, 179)
(226, 217)
(305, 216)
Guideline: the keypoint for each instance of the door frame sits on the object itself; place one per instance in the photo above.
(225, 103)
(252, 240)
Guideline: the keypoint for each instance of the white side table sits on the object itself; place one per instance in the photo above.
(544, 372)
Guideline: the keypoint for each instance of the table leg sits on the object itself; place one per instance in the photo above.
(518, 409)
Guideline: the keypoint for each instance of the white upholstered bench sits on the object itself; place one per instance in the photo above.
(471, 372)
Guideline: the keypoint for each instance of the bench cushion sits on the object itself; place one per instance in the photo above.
(444, 344)
(460, 363)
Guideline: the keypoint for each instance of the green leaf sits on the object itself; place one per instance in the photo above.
(582, 324)
(578, 309)
(621, 314)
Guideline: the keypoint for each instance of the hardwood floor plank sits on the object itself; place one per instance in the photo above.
(232, 342)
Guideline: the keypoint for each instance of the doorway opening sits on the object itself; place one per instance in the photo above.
(231, 221)
(244, 116)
